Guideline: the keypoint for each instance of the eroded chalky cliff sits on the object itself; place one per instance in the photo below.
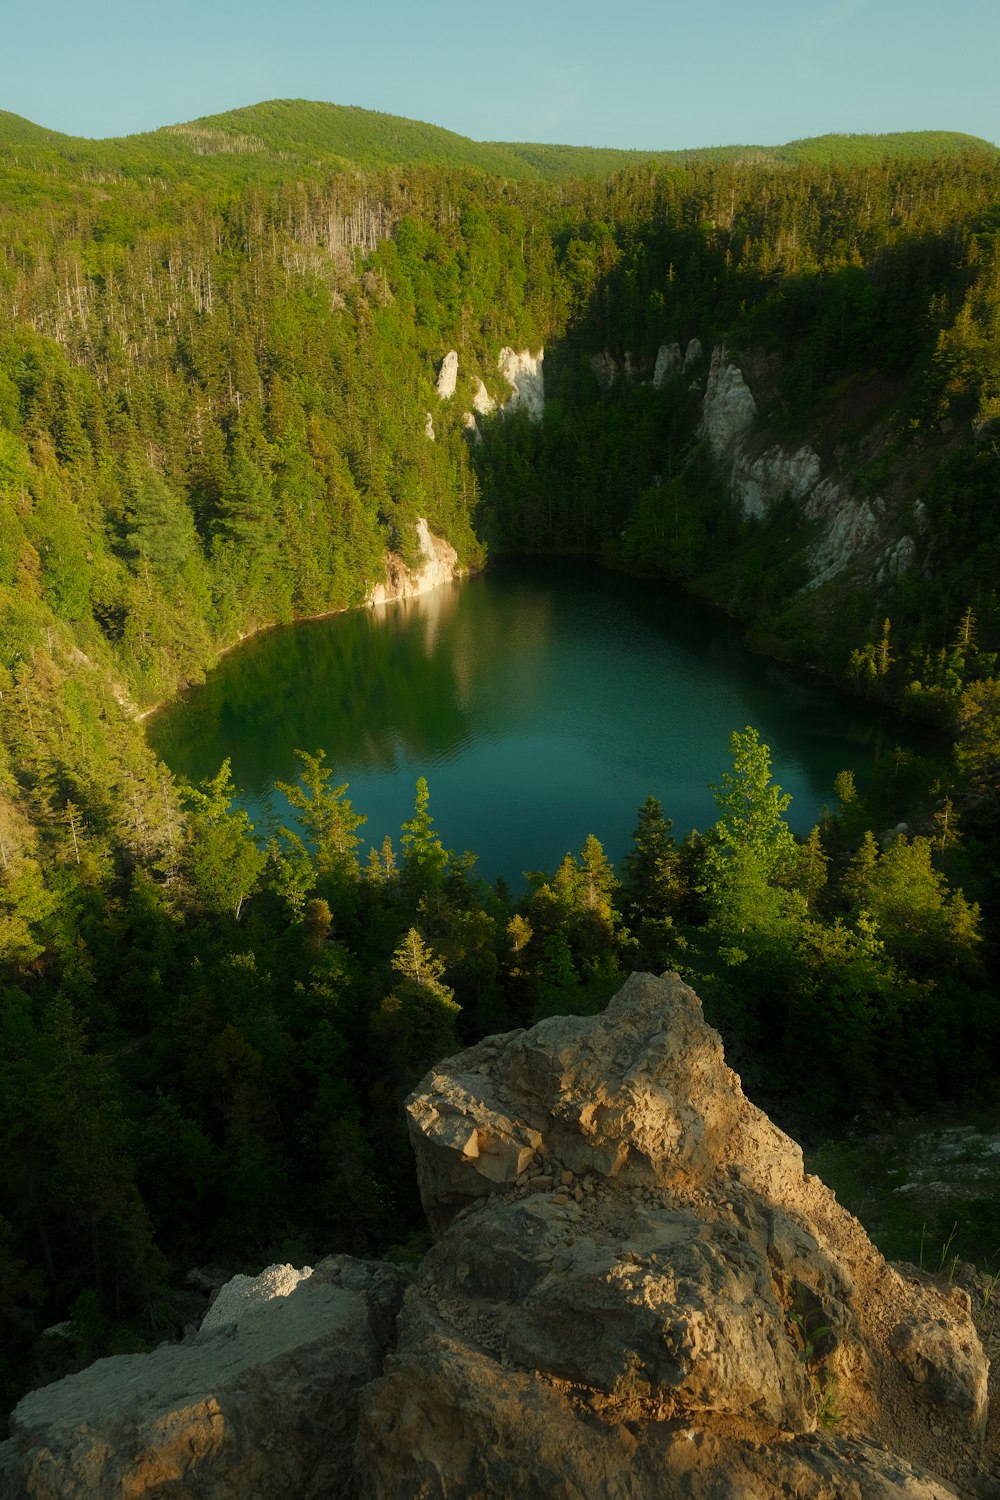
(438, 564)
(847, 536)
(635, 1290)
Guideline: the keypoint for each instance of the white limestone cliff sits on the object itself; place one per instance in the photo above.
(524, 373)
(852, 533)
(440, 565)
(850, 527)
(756, 483)
(448, 376)
(482, 401)
(729, 407)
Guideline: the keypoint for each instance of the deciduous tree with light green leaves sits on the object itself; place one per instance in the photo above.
(425, 859)
(326, 818)
(751, 834)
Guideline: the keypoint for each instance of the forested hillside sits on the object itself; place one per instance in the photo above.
(217, 359)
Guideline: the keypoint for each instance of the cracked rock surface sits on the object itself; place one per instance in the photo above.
(636, 1290)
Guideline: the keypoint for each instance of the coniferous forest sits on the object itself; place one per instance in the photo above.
(218, 346)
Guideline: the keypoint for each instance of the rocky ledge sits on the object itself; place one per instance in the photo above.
(438, 564)
(635, 1291)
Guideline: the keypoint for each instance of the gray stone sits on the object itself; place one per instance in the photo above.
(253, 1410)
(728, 408)
(668, 362)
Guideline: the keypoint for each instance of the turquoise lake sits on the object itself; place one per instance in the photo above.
(542, 701)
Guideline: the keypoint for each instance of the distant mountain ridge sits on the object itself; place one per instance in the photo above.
(311, 135)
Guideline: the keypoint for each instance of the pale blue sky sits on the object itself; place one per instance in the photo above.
(643, 73)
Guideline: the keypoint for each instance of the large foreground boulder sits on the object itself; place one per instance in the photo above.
(636, 1290)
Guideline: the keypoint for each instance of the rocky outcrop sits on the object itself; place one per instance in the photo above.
(850, 528)
(605, 368)
(756, 483)
(448, 376)
(482, 401)
(851, 533)
(440, 565)
(729, 407)
(429, 426)
(260, 1406)
(668, 362)
(635, 1291)
(525, 375)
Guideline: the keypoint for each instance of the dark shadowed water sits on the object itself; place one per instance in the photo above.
(542, 702)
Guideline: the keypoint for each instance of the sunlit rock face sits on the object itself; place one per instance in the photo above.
(482, 401)
(439, 565)
(448, 376)
(525, 375)
(262, 1402)
(627, 1254)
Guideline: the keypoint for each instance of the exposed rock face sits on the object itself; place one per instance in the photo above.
(471, 427)
(401, 582)
(850, 528)
(429, 426)
(729, 407)
(859, 534)
(482, 401)
(448, 376)
(260, 1409)
(607, 369)
(625, 1239)
(898, 558)
(242, 1293)
(525, 375)
(635, 1293)
(668, 362)
(953, 1371)
(758, 482)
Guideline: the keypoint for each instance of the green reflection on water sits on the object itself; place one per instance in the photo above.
(542, 702)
